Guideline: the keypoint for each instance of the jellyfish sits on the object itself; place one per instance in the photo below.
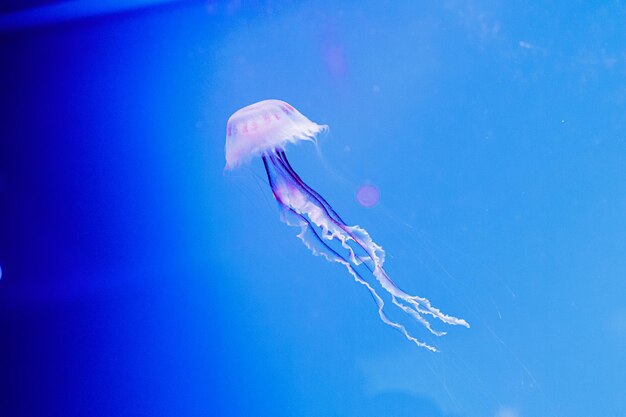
(264, 129)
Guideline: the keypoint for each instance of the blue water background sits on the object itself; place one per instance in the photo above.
(140, 279)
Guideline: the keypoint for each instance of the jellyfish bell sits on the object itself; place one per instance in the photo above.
(264, 128)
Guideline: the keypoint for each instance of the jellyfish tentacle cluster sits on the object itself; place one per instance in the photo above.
(263, 129)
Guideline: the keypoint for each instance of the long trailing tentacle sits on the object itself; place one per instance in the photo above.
(374, 251)
(322, 249)
(314, 213)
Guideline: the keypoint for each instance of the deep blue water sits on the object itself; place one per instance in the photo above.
(140, 279)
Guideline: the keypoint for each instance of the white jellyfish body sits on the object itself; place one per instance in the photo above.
(263, 129)
(264, 126)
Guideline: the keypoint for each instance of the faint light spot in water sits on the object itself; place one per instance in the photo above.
(0, 272)
(617, 323)
(367, 195)
(211, 6)
(506, 412)
(335, 60)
